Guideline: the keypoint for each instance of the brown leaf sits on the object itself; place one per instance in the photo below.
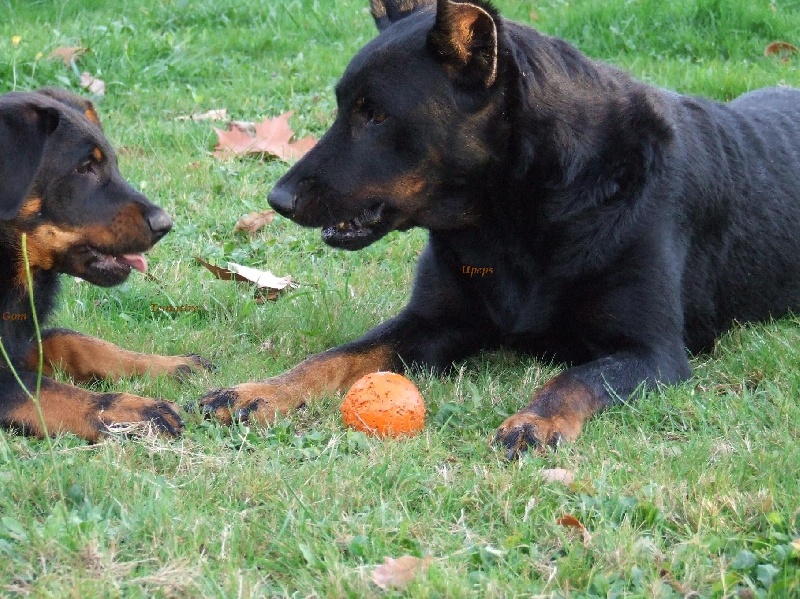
(222, 274)
(268, 285)
(94, 85)
(68, 55)
(399, 573)
(234, 142)
(297, 149)
(219, 114)
(250, 223)
(782, 50)
(558, 475)
(571, 521)
(269, 137)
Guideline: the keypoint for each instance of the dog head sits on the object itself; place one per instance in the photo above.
(417, 132)
(60, 185)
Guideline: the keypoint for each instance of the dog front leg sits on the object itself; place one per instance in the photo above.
(87, 358)
(404, 340)
(89, 415)
(558, 411)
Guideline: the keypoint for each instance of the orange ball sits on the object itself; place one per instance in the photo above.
(385, 404)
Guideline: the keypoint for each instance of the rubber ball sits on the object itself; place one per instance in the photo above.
(385, 404)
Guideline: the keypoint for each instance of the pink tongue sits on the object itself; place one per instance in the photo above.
(136, 261)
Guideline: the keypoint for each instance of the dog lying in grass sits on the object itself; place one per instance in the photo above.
(621, 224)
(61, 189)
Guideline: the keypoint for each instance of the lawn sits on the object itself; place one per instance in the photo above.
(692, 491)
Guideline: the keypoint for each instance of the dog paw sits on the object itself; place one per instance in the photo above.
(117, 411)
(526, 430)
(248, 402)
(189, 364)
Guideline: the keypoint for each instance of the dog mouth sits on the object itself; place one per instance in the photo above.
(366, 228)
(110, 268)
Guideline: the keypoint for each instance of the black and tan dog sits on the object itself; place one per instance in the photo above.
(613, 224)
(59, 185)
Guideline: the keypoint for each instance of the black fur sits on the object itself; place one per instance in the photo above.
(624, 224)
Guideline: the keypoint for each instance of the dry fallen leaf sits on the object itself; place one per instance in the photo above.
(68, 55)
(399, 573)
(250, 223)
(262, 278)
(219, 114)
(558, 475)
(269, 137)
(94, 85)
(782, 50)
(269, 285)
(571, 521)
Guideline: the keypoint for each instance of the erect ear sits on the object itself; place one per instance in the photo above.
(24, 129)
(465, 38)
(386, 12)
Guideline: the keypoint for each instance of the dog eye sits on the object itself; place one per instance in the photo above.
(375, 117)
(86, 167)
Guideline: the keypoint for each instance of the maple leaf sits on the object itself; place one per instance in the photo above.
(68, 55)
(270, 137)
(250, 223)
(268, 285)
(399, 573)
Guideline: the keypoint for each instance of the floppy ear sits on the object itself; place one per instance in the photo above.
(465, 38)
(24, 129)
(74, 101)
(386, 12)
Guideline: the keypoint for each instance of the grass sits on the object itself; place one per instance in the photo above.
(692, 489)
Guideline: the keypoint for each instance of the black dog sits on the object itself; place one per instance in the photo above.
(59, 185)
(573, 213)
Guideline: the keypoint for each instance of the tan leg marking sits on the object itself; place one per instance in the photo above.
(87, 358)
(86, 414)
(320, 375)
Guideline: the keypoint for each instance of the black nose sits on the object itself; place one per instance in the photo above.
(282, 200)
(160, 223)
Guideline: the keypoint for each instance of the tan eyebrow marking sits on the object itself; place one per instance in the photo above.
(91, 114)
(32, 206)
(98, 154)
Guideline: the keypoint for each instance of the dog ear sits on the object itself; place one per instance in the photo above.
(74, 101)
(386, 12)
(464, 36)
(24, 129)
